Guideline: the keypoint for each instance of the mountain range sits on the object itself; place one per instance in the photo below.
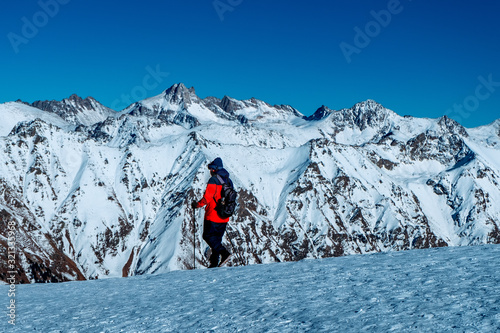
(96, 193)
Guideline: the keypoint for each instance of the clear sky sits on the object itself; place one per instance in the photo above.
(422, 58)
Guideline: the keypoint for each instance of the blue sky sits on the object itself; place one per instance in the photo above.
(420, 58)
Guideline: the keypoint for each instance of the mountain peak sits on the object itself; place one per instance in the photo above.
(180, 93)
(74, 97)
(452, 126)
(77, 99)
(230, 105)
(368, 105)
(76, 110)
(319, 114)
(177, 87)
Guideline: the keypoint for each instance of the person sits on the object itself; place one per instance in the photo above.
(214, 226)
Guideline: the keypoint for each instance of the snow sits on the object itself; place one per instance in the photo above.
(432, 290)
(490, 156)
(266, 186)
(439, 214)
(12, 113)
(487, 135)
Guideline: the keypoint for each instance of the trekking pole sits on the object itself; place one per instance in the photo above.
(194, 239)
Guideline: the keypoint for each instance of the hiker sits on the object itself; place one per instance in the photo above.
(214, 226)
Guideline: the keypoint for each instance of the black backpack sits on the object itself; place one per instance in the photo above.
(226, 206)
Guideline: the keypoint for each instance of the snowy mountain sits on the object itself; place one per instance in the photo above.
(98, 193)
(432, 290)
(76, 110)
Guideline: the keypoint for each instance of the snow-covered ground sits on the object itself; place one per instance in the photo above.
(434, 290)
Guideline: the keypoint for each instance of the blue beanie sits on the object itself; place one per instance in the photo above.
(216, 164)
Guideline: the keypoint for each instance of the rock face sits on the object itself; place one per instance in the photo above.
(94, 193)
(76, 111)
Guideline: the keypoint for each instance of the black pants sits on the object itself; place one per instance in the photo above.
(212, 234)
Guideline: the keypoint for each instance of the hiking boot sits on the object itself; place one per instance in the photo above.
(224, 256)
(214, 261)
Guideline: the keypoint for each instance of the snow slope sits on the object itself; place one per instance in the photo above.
(12, 113)
(434, 290)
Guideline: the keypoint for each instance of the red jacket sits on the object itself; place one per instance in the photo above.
(210, 198)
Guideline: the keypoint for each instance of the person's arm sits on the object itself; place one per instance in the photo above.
(209, 194)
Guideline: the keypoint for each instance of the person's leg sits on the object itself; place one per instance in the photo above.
(206, 231)
(212, 234)
(222, 252)
(219, 230)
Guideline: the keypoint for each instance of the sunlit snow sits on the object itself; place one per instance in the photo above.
(433, 290)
